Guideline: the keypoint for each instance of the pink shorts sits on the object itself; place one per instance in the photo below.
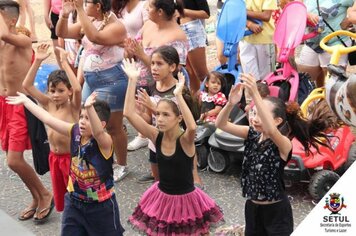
(59, 165)
(13, 127)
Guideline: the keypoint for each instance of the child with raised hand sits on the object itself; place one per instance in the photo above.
(62, 101)
(90, 206)
(212, 99)
(268, 148)
(173, 205)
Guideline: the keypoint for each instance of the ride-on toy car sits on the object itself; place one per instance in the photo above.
(323, 169)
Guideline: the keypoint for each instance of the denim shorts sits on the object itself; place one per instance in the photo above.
(195, 33)
(110, 84)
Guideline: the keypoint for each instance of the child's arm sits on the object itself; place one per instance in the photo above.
(56, 124)
(222, 119)
(129, 107)
(76, 88)
(267, 121)
(189, 134)
(97, 127)
(28, 84)
(18, 40)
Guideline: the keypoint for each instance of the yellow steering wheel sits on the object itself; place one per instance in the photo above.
(336, 51)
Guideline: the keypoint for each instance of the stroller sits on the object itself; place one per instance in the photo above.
(231, 71)
(283, 83)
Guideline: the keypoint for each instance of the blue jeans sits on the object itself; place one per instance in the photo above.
(110, 84)
(92, 219)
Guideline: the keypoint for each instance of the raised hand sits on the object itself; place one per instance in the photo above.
(42, 52)
(17, 100)
(180, 85)
(129, 66)
(144, 99)
(91, 99)
(63, 54)
(235, 93)
(67, 7)
(249, 82)
(77, 3)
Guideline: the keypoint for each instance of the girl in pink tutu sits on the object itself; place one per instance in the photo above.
(172, 206)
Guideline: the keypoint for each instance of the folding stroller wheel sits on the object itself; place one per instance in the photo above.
(218, 161)
(202, 156)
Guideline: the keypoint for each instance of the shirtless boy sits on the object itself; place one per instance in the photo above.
(15, 60)
(62, 101)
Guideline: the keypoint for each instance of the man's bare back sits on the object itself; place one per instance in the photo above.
(15, 59)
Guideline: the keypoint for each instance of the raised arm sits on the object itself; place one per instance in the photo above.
(28, 84)
(56, 124)
(114, 33)
(18, 40)
(189, 134)
(63, 29)
(268, 122)
(129, 107)
(97, 128)
(76, 88)
(223, 117)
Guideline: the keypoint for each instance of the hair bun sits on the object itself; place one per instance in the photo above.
(292, 108)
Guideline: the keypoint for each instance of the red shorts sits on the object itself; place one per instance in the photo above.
(13, 127)
(59, 165)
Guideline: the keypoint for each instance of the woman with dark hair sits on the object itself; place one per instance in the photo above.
(161, 29)
(268, 148)
(133, 14)
(101, 33)
(195, 11)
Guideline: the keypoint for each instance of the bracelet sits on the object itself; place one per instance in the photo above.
(63, 17)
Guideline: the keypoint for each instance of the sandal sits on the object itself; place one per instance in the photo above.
(27, 214)
(44, 218)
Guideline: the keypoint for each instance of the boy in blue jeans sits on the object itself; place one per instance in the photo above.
(90, 206)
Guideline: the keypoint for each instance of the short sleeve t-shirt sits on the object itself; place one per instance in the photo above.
(333, 12)
(266, 36)
(262, 169)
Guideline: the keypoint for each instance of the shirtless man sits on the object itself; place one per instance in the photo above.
(15, 60)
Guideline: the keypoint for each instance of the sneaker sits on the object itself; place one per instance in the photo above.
(137, 143)
(148, 178)
(120, 172)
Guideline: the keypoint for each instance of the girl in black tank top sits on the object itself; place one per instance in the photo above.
(174, 205)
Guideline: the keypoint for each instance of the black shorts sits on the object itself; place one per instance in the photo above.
(54, 19)
(273, 219)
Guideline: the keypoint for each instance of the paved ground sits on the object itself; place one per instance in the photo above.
(224, 188)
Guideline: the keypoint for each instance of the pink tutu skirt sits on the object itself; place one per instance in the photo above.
(159, 213)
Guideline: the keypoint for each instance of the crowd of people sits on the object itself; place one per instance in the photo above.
(146, 61)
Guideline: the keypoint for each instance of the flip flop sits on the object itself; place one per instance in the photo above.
(45, 218)
(28, 214)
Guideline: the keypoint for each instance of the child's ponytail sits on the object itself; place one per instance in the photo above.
(309, 132)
